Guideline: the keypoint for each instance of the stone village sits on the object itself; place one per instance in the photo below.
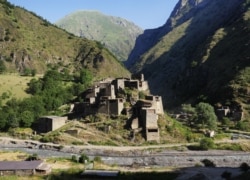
(106, 97)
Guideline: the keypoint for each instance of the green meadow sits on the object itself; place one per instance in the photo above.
(13, 85)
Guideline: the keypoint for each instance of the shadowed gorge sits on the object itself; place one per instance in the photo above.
(203, 52)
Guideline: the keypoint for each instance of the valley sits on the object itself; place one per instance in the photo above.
(171, 101)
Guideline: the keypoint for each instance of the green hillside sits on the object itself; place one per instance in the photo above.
(202, 54)
(29, 42)
(115, 33)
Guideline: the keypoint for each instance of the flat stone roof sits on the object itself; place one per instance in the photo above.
(19, 165)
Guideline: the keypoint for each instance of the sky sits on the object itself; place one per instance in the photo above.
(147, 14)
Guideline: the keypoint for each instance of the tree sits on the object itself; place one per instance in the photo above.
(3, 120)
(27, 118)
(206, 115)
(190, 111)
(35, 86)
(2, 67)
(85, 77)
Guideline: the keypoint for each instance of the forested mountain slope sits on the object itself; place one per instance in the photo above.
(202, 53)
(115, 33)
(28, 41)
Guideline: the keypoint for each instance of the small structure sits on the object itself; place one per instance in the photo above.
(223, 112)
(21, 168)
(156, 103)
(100, 173)
(50, 123)
(234, 113)
(150, 124)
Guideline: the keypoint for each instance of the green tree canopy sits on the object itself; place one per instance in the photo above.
(190, 111)
(85, 77)
(206, 115)
(27, 118)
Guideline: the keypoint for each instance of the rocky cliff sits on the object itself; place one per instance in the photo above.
(200, 54)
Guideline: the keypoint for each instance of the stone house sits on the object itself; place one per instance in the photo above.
(235, 114)
(151, 129)
(156, 103)
(111, 106)
(50, 123)
(136, 82)
(23, 168)
(224, 111)
(119, 83)
(148, 118)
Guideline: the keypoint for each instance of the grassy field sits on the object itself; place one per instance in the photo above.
(14, 85)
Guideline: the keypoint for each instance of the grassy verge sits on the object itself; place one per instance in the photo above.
(13, 85)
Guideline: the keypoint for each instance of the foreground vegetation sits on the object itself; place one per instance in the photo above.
(47, 94)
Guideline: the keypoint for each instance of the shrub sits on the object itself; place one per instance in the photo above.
(208, 163)
(74, 158)
(206, 143)
(83, 158)
(98, 159)
(2, 67)
(142, 95)
(244, 167)
(32, 157)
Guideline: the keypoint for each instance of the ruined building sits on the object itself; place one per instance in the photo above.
(234, 113)
(104, 97)
(50, 123)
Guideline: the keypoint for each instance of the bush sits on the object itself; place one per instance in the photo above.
(208, 163)
(206, 143)
(74, 158)
(98, 159)
(83, 158)
(32, 157)
(2, 67)
(244, 167)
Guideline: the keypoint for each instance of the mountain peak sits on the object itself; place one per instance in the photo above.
(115, 33)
